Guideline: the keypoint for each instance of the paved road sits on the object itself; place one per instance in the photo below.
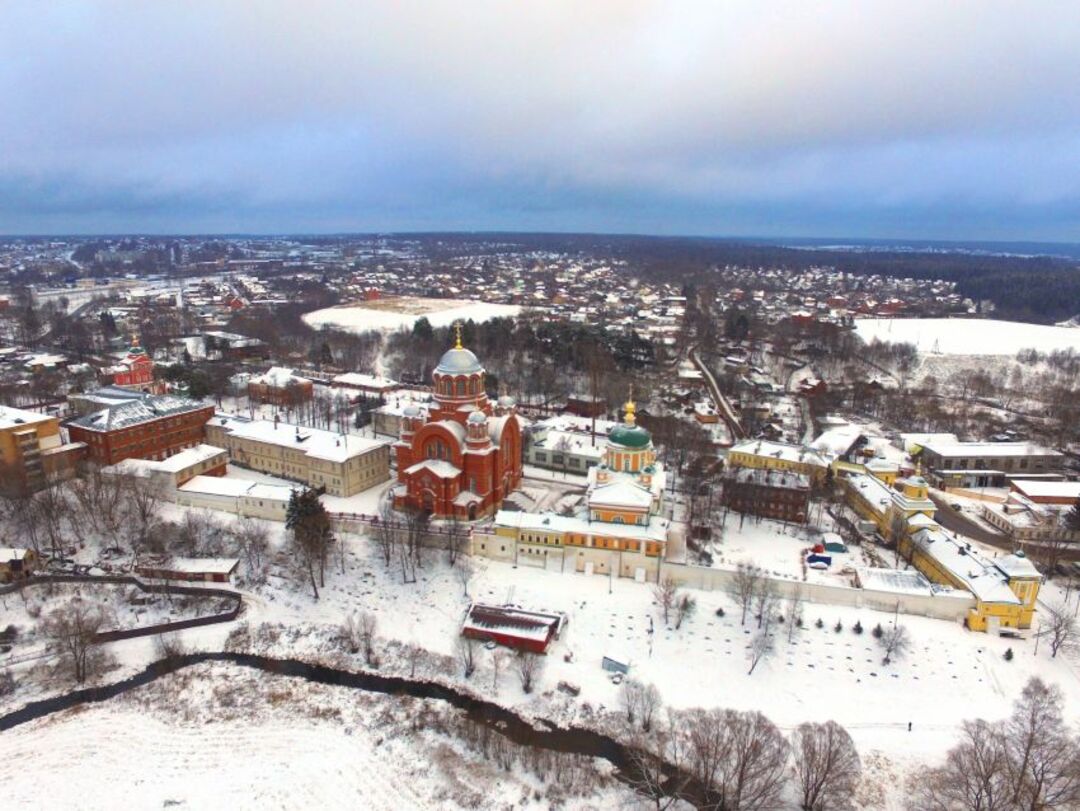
(721, 402)
(957, 522)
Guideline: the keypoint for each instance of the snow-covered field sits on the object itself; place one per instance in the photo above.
(948, 676)
(963, 336)
(219, 737)
(392, 314)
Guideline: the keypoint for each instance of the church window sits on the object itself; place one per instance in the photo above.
(461, 387)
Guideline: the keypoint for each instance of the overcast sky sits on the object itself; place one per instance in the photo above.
(877, 119)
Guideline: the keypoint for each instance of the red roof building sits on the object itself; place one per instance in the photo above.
(462, 456)
(513, 627)
(152, 427)
(136, 371)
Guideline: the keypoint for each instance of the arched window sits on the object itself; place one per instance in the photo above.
(461, 387)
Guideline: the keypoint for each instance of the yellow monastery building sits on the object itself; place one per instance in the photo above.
(1005, 588)
(620, 532)
(762, 454)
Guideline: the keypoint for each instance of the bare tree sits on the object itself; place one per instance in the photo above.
(765, 601)
(649, 705)
(529, 666)
(51, 509)
(1043, 757)
(975, 774)
(73, 628)
(498, 660)
(456, 534)
(631, 700)
(744, 585)
(252, 540)
(794, 614)
(1029, 762)
(199, 532)
(666, 593)
(144, 497)
(414, 654)
(466, 651)
(465, 571)
(752, 776)
(827, 766)
(1059, 627)
(894, 642)
(368, 625)
(386, 531)
(657, 758)
(684, 607)
(169, 647)
(761, 647)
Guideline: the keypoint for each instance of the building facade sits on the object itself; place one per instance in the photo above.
(463, 455)
(342, 464)
(280, 387)
(777, 494)
(985, 464)
(620, 531)
(136, 371)
(32, 451)
(152, 427)
(765, 455)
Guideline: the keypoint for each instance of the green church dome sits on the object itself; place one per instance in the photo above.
(630, 436)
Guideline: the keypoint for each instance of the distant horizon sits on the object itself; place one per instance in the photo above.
(826, 241)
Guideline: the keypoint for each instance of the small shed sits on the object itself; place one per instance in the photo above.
(833, 542)
(16, 564)
(613, 665)
(513, 627)
(207, 570)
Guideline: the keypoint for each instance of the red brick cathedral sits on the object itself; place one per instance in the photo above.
(463, 456)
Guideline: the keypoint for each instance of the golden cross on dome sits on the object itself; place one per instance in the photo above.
(457, 330)
(630, 407)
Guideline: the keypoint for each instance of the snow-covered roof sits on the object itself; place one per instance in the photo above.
(621, 493)
(1038, 488)
(9, 554)
(200, 565)
(364, 381)
(982, 577)
(656, 530)
(236, 488)
(279, 377)
(315, 442)
(440, 467)
(510, 621)
(133, 412)
(16, 417)
(960, 450)
(188, 457)
(780, 450)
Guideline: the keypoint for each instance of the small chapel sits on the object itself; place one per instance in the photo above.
(460, 456)
(136, 371)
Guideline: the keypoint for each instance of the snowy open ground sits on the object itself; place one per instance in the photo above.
(965, 336)
(392, 314)
(948, 676)
(219, 737)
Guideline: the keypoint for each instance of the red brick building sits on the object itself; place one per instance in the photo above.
(280, 387)
(463, 455)
(152, 427)
(779, 494)
(136, 371)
